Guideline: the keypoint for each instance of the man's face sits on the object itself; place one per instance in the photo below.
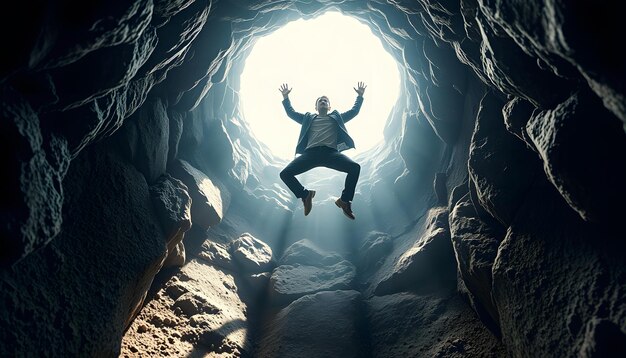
(322, 102)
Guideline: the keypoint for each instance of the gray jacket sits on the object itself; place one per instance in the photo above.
(344, 141)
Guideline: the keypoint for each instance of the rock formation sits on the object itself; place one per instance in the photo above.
(489, 219)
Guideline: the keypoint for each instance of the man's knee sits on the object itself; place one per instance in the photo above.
(356, 168)
(284, 174)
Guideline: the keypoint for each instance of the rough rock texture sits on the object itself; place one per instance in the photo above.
(326, 324)
(92, 279)
(603, 338)
(490, 91)
(552, 261)
(291, 282)
(398, 328)
(568, 33)
(145, 135)
(209, 202)
(31, 191)
(500, 187)
(306, 269)
(197, 311)
(475, 247)
(429, 262)
(305, 252)
(216, 254)
(172, 204)
(175, 256)
(582, 147)
(251, 254)
(373, 251)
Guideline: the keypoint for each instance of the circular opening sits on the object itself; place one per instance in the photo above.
(327, 55)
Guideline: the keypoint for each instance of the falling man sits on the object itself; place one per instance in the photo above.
(323, 137)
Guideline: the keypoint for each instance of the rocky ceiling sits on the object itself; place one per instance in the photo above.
(113, 113)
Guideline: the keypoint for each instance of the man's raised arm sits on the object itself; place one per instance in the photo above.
(291, 113)
(357, 104)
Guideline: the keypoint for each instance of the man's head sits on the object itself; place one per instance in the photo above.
(322, 104)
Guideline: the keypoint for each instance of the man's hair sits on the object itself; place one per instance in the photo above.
(320, 97)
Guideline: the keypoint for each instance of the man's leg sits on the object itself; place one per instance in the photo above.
(344, 164)
(338, 161)
(301, 164)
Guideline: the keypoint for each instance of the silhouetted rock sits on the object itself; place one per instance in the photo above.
(173, 208)
(581, 43)
(511, 70)
(500, 187)
(603, 338)
(95, 275)
(553, 273)
(583, 148)
(31, 194)
(517, 113)
(145, 138)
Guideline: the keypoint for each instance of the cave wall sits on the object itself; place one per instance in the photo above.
(113, 115)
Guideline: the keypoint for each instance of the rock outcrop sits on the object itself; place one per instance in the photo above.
(520, 107)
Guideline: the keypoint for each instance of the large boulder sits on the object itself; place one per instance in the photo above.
(305, 252)
(216, 254)
(373, 251)
(325, 324)
(569, 35)
(500, 185)
(554, 276)
(288, 282)
(475, 247)
(31, 194)
(209, 201)
(410, 325)
(251, 254)
(172, 204)
(145, 138)
(429, 263)
(584, 155)
(84, 288)
(197, 312)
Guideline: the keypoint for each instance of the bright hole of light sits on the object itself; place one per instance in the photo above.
(327, 55)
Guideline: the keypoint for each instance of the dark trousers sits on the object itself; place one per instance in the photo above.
(321, 157)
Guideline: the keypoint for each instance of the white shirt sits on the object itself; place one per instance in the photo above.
(323, 131)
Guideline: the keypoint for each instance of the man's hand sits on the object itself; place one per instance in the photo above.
(361, 88)
(284, 89)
